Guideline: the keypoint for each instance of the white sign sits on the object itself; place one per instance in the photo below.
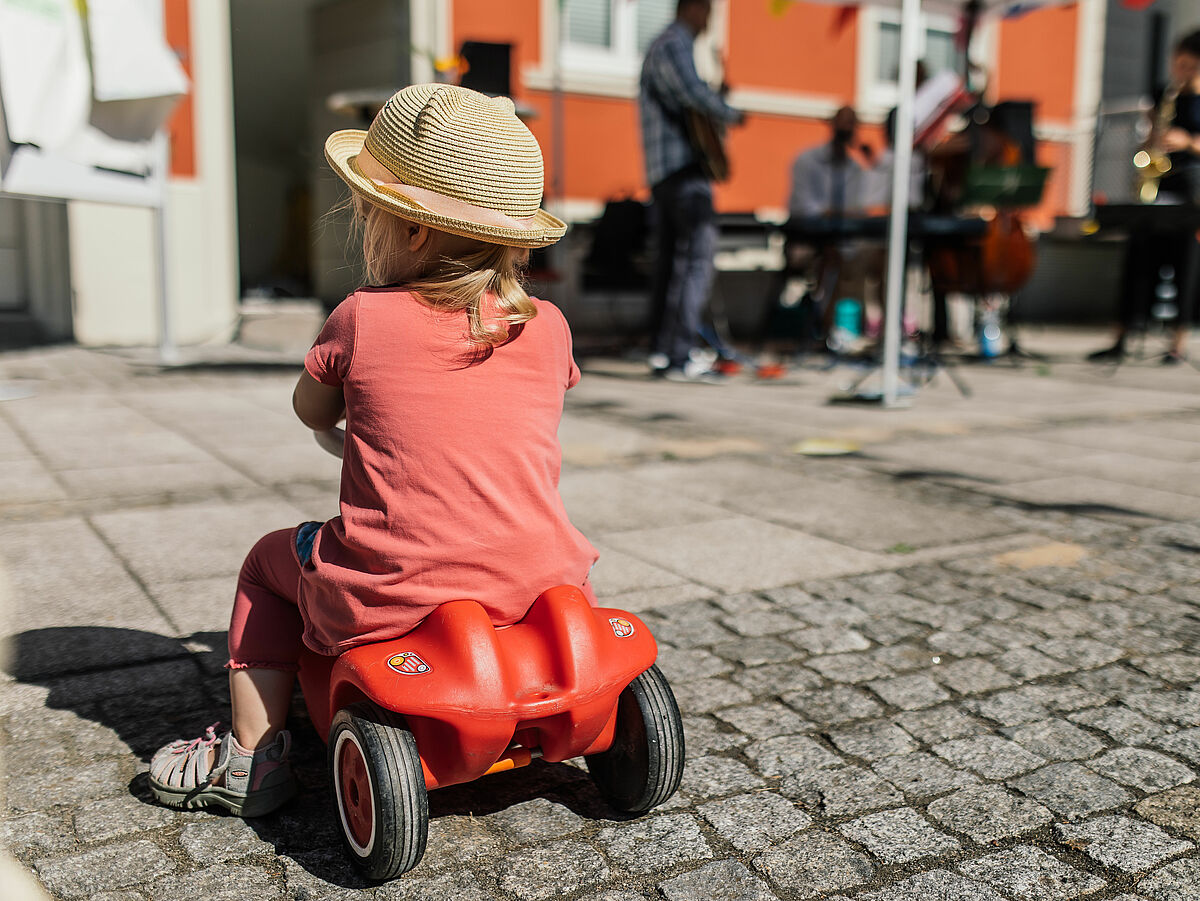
(45, 80)
(84, 131)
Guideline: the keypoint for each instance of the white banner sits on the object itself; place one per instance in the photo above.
(78, 126)
(45, 81)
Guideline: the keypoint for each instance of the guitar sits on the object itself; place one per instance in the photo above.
(707, 137)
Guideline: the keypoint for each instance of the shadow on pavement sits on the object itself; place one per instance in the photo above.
(150, 689)
(1080, 508)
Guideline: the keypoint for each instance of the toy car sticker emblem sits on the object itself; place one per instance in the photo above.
(621, 627)
(409, 663)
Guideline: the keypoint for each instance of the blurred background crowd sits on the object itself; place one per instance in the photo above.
(162, 176)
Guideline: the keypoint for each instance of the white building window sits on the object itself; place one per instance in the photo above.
(938, 54)
(611, 36)
(879, 54)
(604, 41)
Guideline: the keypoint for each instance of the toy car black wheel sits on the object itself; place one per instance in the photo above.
(379, 790)
(645, 763)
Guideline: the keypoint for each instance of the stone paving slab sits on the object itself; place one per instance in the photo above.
(586, 442)
(753, 553)
(28, 481)
(12, 446)
(718, 481)
(1150, 443)
(1177, 810)
(249, 419)
(1009, 710)
(152, 481)
(1164, 475)
(603, 502)
(192, 541)
(1030, 873)
(856, 515)
(104, 433)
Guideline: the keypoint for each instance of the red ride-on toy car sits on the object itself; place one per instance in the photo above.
(458, 698)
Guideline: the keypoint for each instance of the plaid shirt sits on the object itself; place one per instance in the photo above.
(669, 87)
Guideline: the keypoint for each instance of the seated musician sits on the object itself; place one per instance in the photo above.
(877, 196)
(1151, 254)
(827, 180)
(827, 185)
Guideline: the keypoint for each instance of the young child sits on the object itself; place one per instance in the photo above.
(451, 381)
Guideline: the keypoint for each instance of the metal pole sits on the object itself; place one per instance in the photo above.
(557, 124)
(910, 23)
(168, 352)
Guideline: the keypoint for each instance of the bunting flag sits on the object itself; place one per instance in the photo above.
(846, 16)
(453, 63)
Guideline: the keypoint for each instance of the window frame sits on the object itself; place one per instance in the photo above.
(622, 61)
(620, 58)
(876, 97)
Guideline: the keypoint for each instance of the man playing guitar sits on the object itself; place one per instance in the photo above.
(680, 177)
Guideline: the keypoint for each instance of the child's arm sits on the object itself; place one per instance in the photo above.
(319, 406)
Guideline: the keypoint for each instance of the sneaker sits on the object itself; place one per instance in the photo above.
(252, 783)
(695, 371)
(658, 363)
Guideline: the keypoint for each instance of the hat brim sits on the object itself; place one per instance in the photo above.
(342, 147)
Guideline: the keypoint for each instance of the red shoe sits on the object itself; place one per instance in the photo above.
(771, 371)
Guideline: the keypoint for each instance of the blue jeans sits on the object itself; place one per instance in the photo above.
(687, 238)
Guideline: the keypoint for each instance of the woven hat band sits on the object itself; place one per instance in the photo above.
(431, 201)
(462, 145)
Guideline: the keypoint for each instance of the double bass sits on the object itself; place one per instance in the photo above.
(1002, 260)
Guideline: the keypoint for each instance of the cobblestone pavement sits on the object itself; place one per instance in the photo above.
(1004, 705)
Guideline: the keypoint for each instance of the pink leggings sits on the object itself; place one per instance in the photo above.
(265, 631)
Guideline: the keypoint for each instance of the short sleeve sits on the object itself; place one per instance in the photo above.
(332, 354)
(573, 374)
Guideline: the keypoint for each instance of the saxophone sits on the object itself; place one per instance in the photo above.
(1152, 162)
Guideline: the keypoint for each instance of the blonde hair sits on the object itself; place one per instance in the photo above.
(450, 282)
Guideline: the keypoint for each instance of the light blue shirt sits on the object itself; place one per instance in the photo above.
(817, 184)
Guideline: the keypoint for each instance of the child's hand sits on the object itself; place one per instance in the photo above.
(332, 440)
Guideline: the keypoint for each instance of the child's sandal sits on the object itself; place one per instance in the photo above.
(253, 783)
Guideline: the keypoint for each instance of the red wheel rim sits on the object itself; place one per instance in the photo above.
(358, 811)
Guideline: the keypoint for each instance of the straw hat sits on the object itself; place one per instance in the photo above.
(453, 159)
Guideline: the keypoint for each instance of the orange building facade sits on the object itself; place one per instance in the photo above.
(790, 66)
(249, 189)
